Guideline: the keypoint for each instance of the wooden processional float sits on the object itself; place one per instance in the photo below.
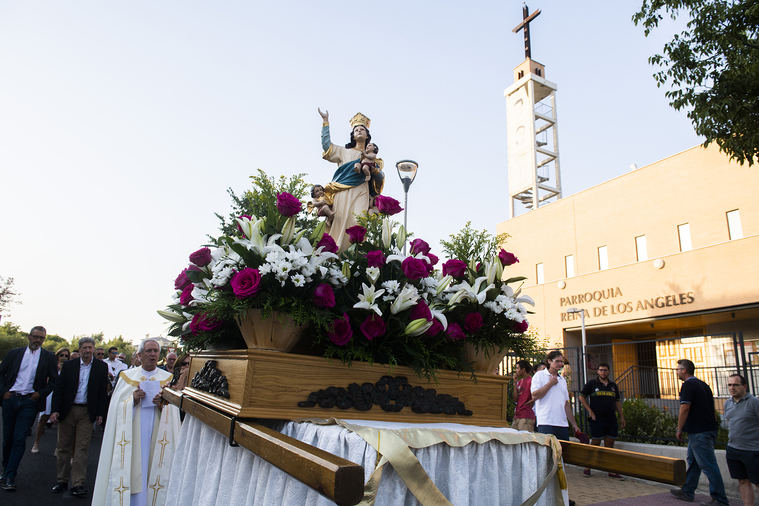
(232, 390)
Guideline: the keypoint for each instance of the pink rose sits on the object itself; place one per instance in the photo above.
(201, 258)
(375, 258)
(201, 322)
(288, 204)
(328, 243)
(419, 246)
(455, 268)
(356, 233)
(454, 332)
(387, 205)
(182, 280)
(373, 326)
(522, 327)
(421, 310)
(341, 331)
(473, 322)
(507, 258)
(186, 295)
(239, 228)
(414, 268)
(436, 328)
(246, 282)
(324, 296)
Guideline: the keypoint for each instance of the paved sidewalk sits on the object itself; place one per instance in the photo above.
(600, 490)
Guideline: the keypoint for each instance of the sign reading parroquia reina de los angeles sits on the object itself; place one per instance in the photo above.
(611, 302)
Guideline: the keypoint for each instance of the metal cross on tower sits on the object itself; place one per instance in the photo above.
(525, 25)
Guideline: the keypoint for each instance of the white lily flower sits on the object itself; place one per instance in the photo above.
(288, 230)
(373, 274)
(443, 284)
(304, 246)
(387, 232)
(405, 299)
(417, 327)
(473, 292)
(526, 299)
(368, 299)
(395, 258)
(436, 313)
(507, 290)
(491, 270)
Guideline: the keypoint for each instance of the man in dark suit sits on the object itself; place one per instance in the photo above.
(79, 399)
(27, 376)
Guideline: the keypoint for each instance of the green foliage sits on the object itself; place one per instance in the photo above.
(11, 337)
(647, 424)
(54, 342)
(261, 201)
(124, 346)
(8, 295)
(712, 68)
(468, 244)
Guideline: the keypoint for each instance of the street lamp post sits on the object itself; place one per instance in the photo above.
(574, 310)
(407, 172)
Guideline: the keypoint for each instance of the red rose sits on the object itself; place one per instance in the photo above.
(455, 268)
(341, 331)
(421, 310)
(373, 326)
(522, 327)
(288, 204)
(414, 268)
(328, 243)
(419, 246)
(436, 328)
(356, 233)
(201, 322)
(246, 282)
(375, 258)
(454, 332)
(186, 295)
(387, 205)
(431, 264)
(182, 280)
(324, 296)
(473, 322)
(201, 258)
(507, 258)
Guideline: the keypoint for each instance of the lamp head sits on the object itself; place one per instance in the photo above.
(407, 172)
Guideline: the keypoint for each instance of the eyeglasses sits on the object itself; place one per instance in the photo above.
(185, 363)
(63, 355)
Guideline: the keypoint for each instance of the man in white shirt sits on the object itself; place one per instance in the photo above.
(549, 390)
(27, 376)
(115, 366)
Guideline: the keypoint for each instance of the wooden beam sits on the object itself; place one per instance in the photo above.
(639, 465)
(338, 479)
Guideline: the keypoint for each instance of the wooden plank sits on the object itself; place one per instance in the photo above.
(336, 478)
(339, 479)
(640, 465)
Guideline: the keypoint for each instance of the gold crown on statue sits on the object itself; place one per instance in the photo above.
(360, 119)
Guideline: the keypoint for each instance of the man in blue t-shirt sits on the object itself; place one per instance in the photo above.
(697, 418)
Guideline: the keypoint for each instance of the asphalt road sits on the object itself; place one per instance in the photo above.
(36, 475)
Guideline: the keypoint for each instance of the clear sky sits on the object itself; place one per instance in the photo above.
(122, 124)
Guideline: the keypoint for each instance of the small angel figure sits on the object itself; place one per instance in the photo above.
(321, 206)
(368, 162)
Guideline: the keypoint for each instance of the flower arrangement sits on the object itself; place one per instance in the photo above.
(368, 303)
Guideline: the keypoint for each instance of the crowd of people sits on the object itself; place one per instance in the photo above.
(74, 389)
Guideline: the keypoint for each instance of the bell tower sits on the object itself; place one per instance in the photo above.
(532, 133)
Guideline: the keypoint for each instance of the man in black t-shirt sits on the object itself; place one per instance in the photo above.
(697, 418)
(603, 408)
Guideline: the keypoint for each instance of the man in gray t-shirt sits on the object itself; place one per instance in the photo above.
(742, 415)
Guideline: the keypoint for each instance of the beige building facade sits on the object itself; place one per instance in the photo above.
(667, 254)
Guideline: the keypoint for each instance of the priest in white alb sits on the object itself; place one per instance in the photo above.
(140, 437)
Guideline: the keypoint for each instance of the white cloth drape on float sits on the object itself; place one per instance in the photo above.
(208, 472)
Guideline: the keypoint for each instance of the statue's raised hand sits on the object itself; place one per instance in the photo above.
(324, 115)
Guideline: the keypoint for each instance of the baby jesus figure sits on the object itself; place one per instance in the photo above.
(368, 162)
(322, 208)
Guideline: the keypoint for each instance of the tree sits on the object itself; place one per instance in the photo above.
(712, 69)
(11, 337)
(53, 342)
(8, 295)
(122, 344)
(468, 244)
